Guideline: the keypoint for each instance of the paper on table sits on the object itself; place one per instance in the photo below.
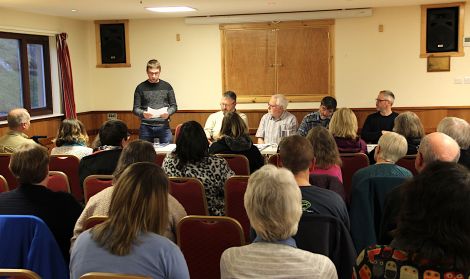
(157, 112)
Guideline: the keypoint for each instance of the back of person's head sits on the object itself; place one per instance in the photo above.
(273, 203)
(139, 204)
(408, 125)
(434, 222)
(153, 64)
(456, 128)
(113, 132)
(191, 145)
(29, 163)
(135, 151)
(233, 125)
(329, 102)
(324, 146)
(438, 146)
(296, 153)
(71, 131)
(387, 94)
(281, 100)
(343, 124)
(16, 117)
(393, 147)
(230, 95)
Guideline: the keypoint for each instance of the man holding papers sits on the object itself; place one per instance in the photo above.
(154, 102)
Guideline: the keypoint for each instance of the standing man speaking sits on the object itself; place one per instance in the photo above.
(154, 102)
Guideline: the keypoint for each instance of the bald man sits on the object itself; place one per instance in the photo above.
(433, 147)
(18, 122)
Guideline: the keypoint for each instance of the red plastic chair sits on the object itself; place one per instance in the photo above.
(275, 160)
(16, 273)
(203, 239)
(234, 189)
(93, 221)
(5, 171)
(177, 131)
(68, 164)
(189, 191)
(3, 184)
(58, 182)
(408, 162)
(96, 183)
(237, 162)
(352, 162)
(159, 158)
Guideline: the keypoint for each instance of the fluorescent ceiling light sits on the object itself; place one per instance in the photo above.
(170, 9)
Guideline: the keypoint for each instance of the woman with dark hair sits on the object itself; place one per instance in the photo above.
(235, 140)
(432, 239)
(191, 159)
(130, 240)
(72, 139)
(98, 205)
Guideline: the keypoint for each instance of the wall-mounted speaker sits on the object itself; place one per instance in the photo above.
(442, 29)
(113, 43)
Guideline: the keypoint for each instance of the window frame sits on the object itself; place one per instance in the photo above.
(24, 40)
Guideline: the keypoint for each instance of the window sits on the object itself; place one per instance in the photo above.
(25, 74)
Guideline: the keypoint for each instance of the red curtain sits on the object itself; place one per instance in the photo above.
(66, 79)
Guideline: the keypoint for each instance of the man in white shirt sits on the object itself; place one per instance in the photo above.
(214, 121)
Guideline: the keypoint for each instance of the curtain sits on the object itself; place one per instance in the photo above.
(66, 79)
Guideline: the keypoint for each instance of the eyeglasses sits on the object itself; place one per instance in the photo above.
(226, 105)
(381, 100)
(272, 106)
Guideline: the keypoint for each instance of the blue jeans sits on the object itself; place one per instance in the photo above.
(149, 133)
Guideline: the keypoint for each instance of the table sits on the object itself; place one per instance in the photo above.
(267, 149)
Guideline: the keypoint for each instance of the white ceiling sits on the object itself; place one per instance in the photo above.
(132, 9)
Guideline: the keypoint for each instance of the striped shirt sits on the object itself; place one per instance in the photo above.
(270, 129)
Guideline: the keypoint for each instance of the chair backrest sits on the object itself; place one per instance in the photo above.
(275, 159)
(108, 275)
(68, 164)
(93, 221)
(177, 131)
(189, 191)
(5, 171)
(58, 182)
(237, 162)
(203, 239)
(328, 236)
(328, 182)
(3, 184)
(352, 162)
(95, 183)
(159, 159)
(408, 162)
(18, 273)
(234, 189)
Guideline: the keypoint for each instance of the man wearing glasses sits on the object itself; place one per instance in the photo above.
(214, 121)
(380, 121)
(318, 118)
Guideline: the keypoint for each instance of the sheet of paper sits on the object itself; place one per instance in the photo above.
(157, 112)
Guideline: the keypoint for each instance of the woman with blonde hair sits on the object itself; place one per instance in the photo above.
(327, 160)
(72, 139)
(409, 125)
(343, 126)
(129, 241)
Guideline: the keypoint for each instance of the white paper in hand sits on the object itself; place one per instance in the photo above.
(157, 112)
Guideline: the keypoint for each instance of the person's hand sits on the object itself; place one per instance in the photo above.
(147, 115)
(164, 115)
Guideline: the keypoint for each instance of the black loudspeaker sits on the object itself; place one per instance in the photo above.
(442, 29)
(113, 43)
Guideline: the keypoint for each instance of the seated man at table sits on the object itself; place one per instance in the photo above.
(214, 121)
(277, 118)
(318, 118)
(18, 122)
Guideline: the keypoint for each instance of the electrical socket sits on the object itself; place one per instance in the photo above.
(112, 115)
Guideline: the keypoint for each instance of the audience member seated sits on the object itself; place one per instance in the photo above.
(409, 125)
(325, 150)
(318, 118)
(98, 205)
(433, 235)
(18, 122)
(72, 139)
(380, 121)
(277, 118)
(434, 147)
(459, 130)
(130, 241)
(297, 155)
(273, 205)
(214, 121)
(191, 159)
(59, 210)
(236, 140)
(113, 135)
(343, 127)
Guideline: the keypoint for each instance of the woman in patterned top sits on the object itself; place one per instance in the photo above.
(72, 139)
(433, 235)
(191, 159)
